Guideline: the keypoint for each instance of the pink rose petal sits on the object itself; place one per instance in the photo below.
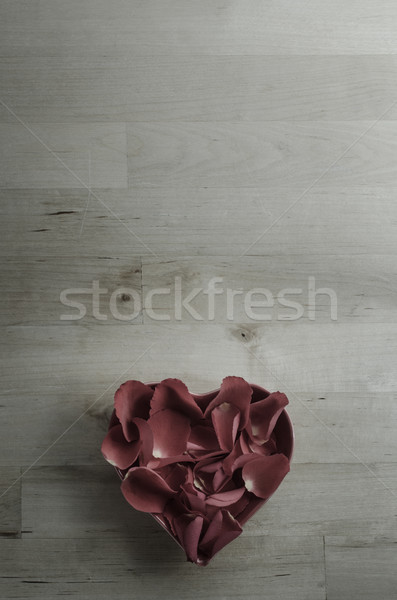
(175, 475)
(225, 498)
(146, 490)
(146, 437)
(193, 498)
(159, 463)
(188, 529)
(237, 508)
(117, 451)
(171, 431)
(264, 415)
(226, 420)
(220, 534)
(173, 394)
(232, 457)
(132, 399)
(203, 437)
(236, 391)
(263, 475)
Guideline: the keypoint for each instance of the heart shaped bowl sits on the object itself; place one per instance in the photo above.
(284, 436)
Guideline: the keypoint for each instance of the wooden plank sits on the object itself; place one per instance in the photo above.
(32, 290)
(47, 423)
(80, 501)
(175, 88)
(42, 413)
(311, 357)
(355, 287)
(10, 502)
(360, 566)
(287, 568)
(183, 222)
(329, 499)
(328, 424)
(238, 27)
(340, 383)
(86, 501)
(92, 154)
(249, 154)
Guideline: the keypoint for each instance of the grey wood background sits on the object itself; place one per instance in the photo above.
(246, 139)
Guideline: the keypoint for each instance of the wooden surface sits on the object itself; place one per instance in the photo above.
(246, 140)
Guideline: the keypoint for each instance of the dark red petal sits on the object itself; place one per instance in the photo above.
(146, 437)
(263, 475)
(213, 530)
(243, 460)
(132, 399)
(226, 498)
(159, 463)
(117, 451)
(203, 437)
(264, 415)
(236, 391)
(173, 394)
(244, 439)
(188, 529)
(219, 535)
(171, 431)
(238, 507)
(220, 479)
(226, 420)
(193, 498)
(145, 490)
(176, 475)
(231, 458)
(269, 447)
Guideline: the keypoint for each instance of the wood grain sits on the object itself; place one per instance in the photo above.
(312, 357)
(259, 154)
(10, 502)
(32, 291)
(62, 502)
(251, 141)
(359, 567)
(198, 88)
(90, 155)
(93, 568)
(175, 26)
(178, 223)
(364, 287)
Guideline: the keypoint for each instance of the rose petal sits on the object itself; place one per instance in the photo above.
(117, 451)
(176, 475)
(146, 437)
(226, 498)
(159, 463)
(235, 391)
(219, 535)
(263, 475)
(264, 415)
(188, 529)
(145, 490)
(238, 507)
(269, 447)
(173, 394)
(171, 431)
(226, 420)
(193, 498)
(132, 399)
(203, 437)
(231, 458)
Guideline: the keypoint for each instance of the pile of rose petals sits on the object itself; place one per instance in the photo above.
(199, 463)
